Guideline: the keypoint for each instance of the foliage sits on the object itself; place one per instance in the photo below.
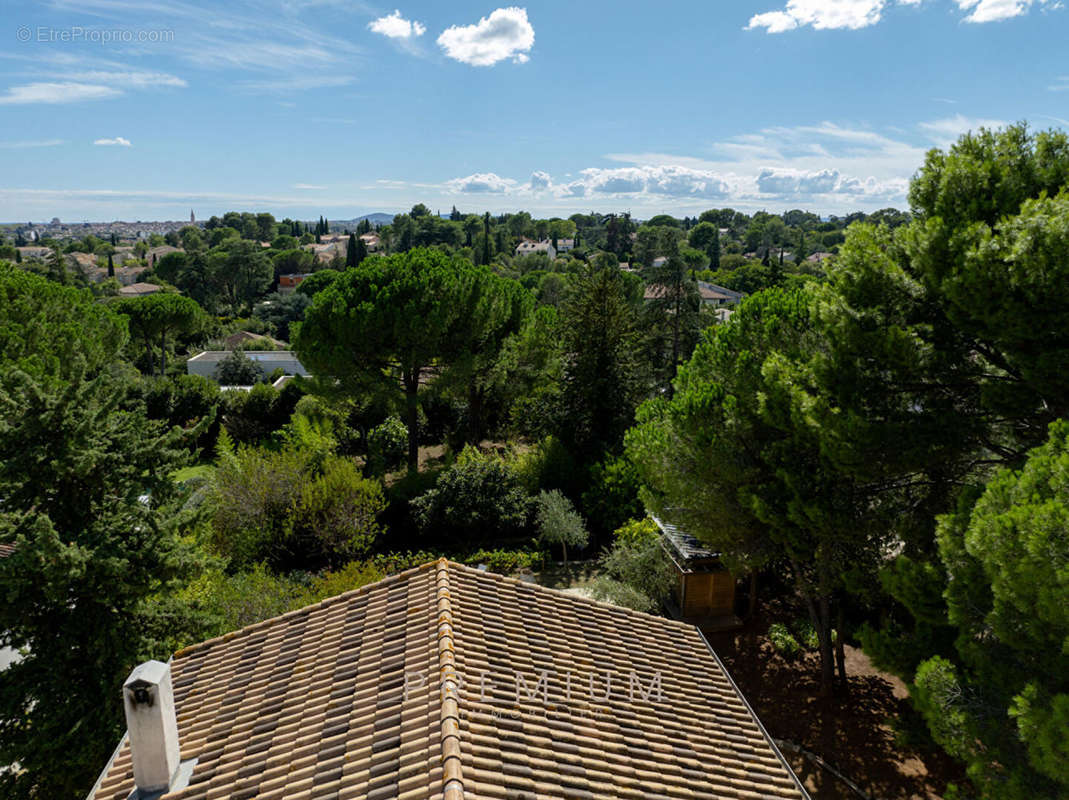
(386, 446)
(557, 523)
(783, 641)
(612, 496)
(385, 322)
(237, 369)
(639, 561)
(603, 378)
(612, 591)
(89, 586)
(253, 416)
(476, 500)
(280, 311)
(278, 508)
(155, 316)
(637, 531)
(1004, 707)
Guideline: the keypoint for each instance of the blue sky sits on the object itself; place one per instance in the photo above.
(119, 110)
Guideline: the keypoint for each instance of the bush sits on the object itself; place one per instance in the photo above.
(387, 446)
(620, 594)
(237, 369)
(637, 531)
(184, 401)
(638, 561)
(475, 500)
(612, 498)
(557, 522)
(275, 507)
(807, 635)
(505, 562)
(783, 642)
(251, 417)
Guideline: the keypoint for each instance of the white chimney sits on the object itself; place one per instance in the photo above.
(152, 726)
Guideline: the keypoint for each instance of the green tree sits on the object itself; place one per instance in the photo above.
(384, 323)
(240, 272)
(558, 523)
(89, 586)
(604, 377)
(237, 369)
(1003, 707)
(156, 316)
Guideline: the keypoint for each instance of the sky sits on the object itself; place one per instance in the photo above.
(112, 109)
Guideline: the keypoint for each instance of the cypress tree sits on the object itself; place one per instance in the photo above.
(111, 265)
(350, 252)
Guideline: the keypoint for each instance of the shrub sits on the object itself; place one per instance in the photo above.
(237, 369)
(252, 416)
(505, 562)
(387, 446)
(335, 518)
(476, 499)
(612, 498)
(557, 522)
(275, 507)
(806, 634)
(783, 642)
(636, 531)
(620, 594)
(641, 564)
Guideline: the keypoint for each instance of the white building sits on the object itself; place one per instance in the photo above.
(527, 248)
(207, 363)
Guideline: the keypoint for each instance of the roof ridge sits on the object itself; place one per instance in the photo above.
(575, 598)
(449, 688)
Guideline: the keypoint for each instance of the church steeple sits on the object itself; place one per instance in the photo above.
(192, 219)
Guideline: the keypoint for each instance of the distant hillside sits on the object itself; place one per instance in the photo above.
(378, 218)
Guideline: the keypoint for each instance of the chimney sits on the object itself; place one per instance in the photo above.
(153, 728)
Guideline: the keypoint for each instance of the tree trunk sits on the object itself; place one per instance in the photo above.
(752, 610)
(411, 380)
(148, 352)
(827, 663)
(163, 352)
(840, 653)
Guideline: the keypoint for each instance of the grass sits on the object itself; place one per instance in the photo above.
(194, 471)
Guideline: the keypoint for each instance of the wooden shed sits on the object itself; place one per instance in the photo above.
(704, 594)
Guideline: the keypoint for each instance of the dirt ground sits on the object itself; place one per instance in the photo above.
(851, 731)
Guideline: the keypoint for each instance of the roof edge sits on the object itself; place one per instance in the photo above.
(449, 689)
(754, 717)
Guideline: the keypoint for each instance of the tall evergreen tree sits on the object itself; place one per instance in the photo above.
(88, 587)
(350, 252)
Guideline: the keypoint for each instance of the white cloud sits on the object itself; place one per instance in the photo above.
(481, 183)
(506, 33)
(540, 180)
(672, 180)
(308, 186)
(995, 10)
(56, 93)
(118, 141)
(821, 14)
(856, 14)
(29, 144)
(132, 80)
(394, 26)
(944, 132)
(1060, 84)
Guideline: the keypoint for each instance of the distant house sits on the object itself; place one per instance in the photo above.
(704, 594)
(817, 258)
(207, 363)
(139, 289)
(371, 241)
(528, 247)
(565, 246)
(287, 284)
(711, 295)
(243, 338)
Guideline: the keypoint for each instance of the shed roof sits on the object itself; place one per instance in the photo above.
(407, 688)
(686, 546)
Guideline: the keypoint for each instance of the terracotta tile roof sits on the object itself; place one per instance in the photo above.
(6, 550)
(411, 688)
